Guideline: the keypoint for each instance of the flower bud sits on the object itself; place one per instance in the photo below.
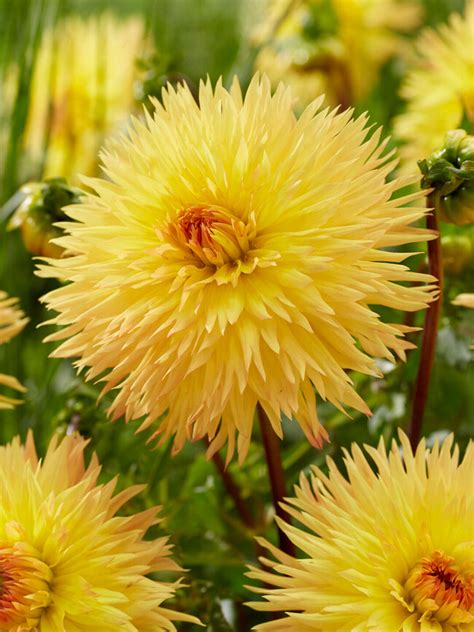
(450, 171)
(38, 212)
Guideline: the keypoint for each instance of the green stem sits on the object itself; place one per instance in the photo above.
(430, 330)
(234, 492)
(241, 506)
(271, 444)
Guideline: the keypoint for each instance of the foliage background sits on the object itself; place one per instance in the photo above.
(200, 37)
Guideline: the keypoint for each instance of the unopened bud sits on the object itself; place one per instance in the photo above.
(450, 170)
(39, 210)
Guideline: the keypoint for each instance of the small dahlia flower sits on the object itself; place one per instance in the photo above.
(67, 561)
(12, 321)
(81, 91)
(373, 32)
(232, 259)
(338, 49)
(439, 90)
(388, 549)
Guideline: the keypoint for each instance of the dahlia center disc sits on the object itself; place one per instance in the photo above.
(7, 582)
(213, 236)
(196, 225)
(440, 589)
(10, 586)
(24, 589)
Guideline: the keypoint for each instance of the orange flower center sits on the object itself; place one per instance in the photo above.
(8, 586)
(444, 583)
(438, 590)
(195, 225)
(24, 588)
(212, 236)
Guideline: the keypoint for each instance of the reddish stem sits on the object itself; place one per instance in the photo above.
(430, 330)
(271, 444)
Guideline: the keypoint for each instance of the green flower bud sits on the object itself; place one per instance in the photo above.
(450, 170)
(40, 208)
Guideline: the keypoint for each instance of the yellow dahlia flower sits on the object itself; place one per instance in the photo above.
(82, 91)
(387, 550)
(67, 561)
(12, 321)
(372, 33)
(344, 61)
(440, 89)
(232, 259)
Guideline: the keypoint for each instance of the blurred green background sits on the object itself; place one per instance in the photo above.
(192, 39)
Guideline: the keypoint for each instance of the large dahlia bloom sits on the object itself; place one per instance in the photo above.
(67, 561)
(232, 259)
(12, 321)
(440, 88)
(386, 550)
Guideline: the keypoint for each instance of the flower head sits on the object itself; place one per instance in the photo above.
(81, 91)
(382, 23)
(439, 90)
(316, 46)
(389, 549)
(12, 321)
(67, 561)
(232, 259)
